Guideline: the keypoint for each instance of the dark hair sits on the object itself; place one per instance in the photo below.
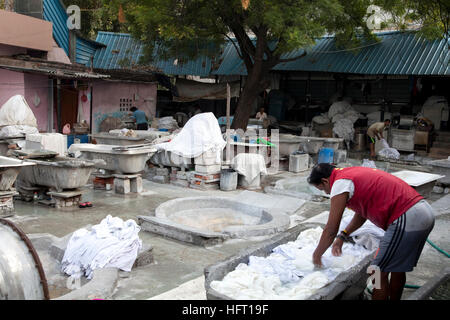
(133, 109)
(387, 120)
(319, 172)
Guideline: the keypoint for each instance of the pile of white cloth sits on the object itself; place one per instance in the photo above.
(111, 244)
(250, 165)
(388, 152)
(436, 109)
(343, 117)
(288, 272)
(16, 118)
(200, 134)
(168, 123)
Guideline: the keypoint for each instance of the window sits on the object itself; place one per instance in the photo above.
(125, 104)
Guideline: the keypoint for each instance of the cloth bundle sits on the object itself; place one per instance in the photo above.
(111, 244)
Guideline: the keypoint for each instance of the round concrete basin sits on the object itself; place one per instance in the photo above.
(222, 215)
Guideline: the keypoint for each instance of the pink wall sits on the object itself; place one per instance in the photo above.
(28, 85)
(11, 83)
(37, 86)
(107, 95)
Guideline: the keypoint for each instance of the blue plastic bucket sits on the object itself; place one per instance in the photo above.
(326, 155)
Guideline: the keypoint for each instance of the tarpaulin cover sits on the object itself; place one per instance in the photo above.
(190, 90)
(200, 134)
(16, 111)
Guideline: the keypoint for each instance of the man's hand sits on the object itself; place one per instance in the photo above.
(336, 249)
(317, 260)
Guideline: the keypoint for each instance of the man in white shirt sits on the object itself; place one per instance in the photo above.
(376, 131)
(261, 115)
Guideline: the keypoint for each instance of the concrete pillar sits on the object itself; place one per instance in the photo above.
(122, 186)
(136, 185)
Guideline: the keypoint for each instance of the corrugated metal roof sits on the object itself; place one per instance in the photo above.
(125, 52)
(120, 47)
(397, 53)
(55, 13)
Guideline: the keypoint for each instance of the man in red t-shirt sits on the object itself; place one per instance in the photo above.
(386, 201)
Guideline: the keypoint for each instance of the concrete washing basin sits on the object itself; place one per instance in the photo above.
(119, 159)
(111, 139)
(421, 181)
(9, 170)
(169, 159)
(58, 173)
(210, 220)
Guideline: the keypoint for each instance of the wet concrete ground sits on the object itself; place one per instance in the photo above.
(177, 263)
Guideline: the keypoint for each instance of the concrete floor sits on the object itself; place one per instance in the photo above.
(177, 263)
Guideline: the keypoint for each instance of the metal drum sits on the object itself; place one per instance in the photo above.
(360, 141)
(21, 274)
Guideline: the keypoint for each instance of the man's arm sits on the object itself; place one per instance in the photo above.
(354, 225)
(337, 207)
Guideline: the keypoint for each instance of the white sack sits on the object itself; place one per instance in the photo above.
(16, 111)
(200, 134)
(338, 107)
(17, 131)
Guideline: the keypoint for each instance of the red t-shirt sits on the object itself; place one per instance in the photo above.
(379, 196)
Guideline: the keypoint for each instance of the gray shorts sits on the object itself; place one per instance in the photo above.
(404, 239)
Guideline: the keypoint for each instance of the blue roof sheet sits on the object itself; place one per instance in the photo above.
(397, 53)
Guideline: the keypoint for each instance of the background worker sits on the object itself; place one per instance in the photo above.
(261, 115)
(140, 118)
(374, 132)
(389, 203)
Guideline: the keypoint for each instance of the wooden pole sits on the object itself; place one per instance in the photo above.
(228, 123)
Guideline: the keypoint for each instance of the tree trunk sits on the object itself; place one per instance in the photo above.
(253, 87)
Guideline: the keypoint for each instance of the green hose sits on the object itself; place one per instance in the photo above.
(438, 249)
(263, 141)
(411, 286)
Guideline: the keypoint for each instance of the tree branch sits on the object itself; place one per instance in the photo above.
(292, 59)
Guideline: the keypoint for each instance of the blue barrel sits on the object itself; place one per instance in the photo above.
(84, 138)
(326, 155)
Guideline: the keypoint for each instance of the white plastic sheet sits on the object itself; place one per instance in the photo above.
(200, 134)
(16, 112)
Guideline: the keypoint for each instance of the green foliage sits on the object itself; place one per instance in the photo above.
(431, 16)
(98, 15)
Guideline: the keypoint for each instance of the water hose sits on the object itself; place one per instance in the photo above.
(438, 249)
(263, 141)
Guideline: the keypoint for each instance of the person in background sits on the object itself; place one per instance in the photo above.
(140, 118)
(261, 115)
(389, 203)
(376, 131)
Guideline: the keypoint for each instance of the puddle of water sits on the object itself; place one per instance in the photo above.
(213, 219)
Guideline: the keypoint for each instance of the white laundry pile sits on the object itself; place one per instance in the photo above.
(250, 165)
(388, 152)
(199, 135)
(16, 118)
(111, 244)
(369, 164)
(288, 273)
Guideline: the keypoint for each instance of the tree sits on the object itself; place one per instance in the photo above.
(263, 31)
(98, 15)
